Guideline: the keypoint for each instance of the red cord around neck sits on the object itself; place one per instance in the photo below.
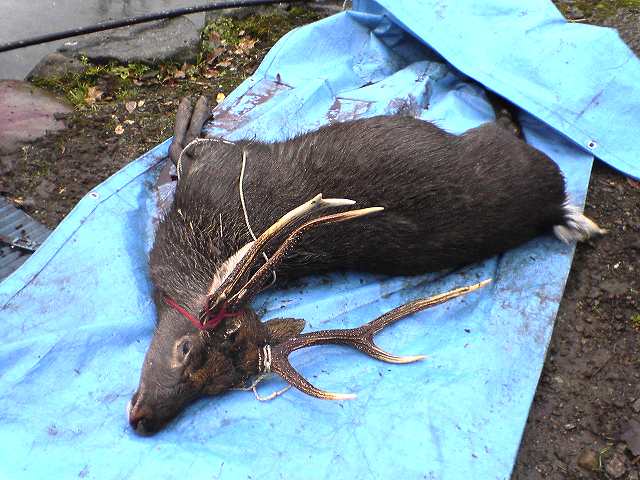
(209, 323)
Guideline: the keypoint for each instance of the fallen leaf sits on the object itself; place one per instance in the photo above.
(246, 44)
(119, 130)
(211, 72)
(214, 37)
(182, 71)
(215, 53)
(224, 63)
(130, 106)
(129, 122)
(241, 33)
(93, 94)
(140, 103)
(633, 183)
(220, 97)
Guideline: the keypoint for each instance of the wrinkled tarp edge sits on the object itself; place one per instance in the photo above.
(580, 137)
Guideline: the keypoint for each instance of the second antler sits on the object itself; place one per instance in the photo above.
(232, 293)
(361, 338)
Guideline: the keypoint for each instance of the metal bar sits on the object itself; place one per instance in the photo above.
(50, 37)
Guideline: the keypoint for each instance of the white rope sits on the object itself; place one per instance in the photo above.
(246, 215)
(264, 367)
(196, 141)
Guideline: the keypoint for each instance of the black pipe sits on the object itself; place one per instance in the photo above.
(50, 37)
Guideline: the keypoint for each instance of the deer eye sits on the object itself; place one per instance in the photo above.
(184, 348)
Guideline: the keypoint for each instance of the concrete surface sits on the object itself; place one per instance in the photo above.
(26, 113)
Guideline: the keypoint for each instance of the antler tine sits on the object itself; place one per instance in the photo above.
(360, 338)
(254, 283)
(316, 203)
(292, 377)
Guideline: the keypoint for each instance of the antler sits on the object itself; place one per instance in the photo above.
(360, 338)
(253, 284)
(222, 296)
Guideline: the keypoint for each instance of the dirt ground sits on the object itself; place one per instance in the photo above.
(582, 421)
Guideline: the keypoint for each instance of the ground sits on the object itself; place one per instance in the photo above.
(589, 389)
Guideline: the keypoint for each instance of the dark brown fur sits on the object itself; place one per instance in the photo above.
(449, 200)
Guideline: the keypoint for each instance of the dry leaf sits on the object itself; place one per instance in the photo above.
(140, 103)
(215, 53)
(220, 97)
(119, 130)
(129, 122)
(130, 106)
(93, 94)
(225, 63)
(633, 183)
(214, 37)
(241, 33)
(182, 71)
(210, 73)
(246, 44)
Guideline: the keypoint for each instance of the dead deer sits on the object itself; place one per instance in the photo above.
(430, 201)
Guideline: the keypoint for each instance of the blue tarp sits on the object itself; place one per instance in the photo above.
(77, 317)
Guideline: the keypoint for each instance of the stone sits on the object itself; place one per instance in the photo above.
(615, 466)
(614, 287)
(636, 406)
(176, 39)
(56, 65)
(8, 163)
(26, 114)
(631, 436)
(588, 459)
(45, 189)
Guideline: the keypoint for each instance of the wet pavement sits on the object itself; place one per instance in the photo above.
(21, 20)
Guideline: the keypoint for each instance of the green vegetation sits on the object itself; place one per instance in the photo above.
(76, 86)
(267, 27)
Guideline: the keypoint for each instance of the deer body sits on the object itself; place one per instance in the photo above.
(448, 201)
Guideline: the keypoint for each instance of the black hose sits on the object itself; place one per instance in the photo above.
(50, 37)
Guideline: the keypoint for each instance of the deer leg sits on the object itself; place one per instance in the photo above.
(188, 126)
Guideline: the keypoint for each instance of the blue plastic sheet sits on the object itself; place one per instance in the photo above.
(77, 317)
(580, 79)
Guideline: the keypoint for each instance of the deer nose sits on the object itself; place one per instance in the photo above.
(140, 416)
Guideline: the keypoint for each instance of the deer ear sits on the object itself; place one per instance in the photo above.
(281, 329)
